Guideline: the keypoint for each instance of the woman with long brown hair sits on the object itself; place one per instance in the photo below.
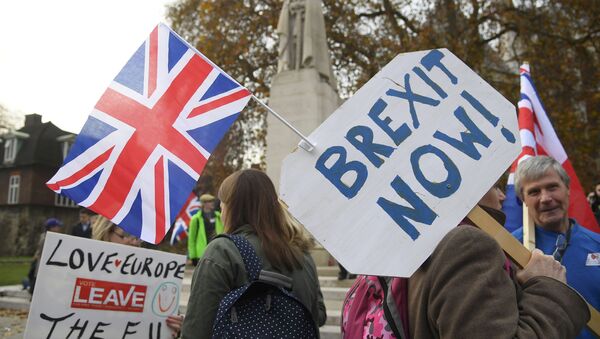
(250, 208)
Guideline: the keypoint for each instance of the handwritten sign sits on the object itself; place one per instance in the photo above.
(95, 289)
(400, 163)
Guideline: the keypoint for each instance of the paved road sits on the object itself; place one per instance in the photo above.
(12, 323)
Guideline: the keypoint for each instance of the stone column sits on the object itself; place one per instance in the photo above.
(304, 90)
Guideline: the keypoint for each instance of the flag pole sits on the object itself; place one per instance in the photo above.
(528, 229)
(528, 223)
(305, 143)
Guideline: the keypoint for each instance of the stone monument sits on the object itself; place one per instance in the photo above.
(304, 89)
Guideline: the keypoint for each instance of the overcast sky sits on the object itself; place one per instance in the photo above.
(58, 56)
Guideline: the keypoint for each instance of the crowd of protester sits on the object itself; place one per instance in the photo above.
(468, 288)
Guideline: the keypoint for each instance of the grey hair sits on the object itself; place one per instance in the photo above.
(535, 168)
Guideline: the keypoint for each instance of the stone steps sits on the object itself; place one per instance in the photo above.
(327, 271)
(334, 293)
(14, 303)
(15, 291)
(334, 282)
(330, 332)
(14, 297)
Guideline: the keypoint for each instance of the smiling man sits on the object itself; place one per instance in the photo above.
(543, 185)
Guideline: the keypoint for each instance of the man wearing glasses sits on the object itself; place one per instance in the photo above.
(543, 185)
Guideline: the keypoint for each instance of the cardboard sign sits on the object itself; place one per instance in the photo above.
(400, 163)
(95, 289)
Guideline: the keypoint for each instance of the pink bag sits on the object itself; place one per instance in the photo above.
(365, 312)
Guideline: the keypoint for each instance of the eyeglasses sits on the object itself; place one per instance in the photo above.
(561, 247)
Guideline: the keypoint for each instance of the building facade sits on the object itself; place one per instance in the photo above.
(29, 157)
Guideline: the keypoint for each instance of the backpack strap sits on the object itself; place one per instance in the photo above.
(252, 262)
(276, 279)
(390, 310)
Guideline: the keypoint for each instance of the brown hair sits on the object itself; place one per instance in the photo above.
(250, 199)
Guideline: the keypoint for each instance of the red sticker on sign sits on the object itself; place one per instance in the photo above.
(108, 295)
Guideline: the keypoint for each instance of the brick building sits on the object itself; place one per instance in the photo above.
(28, 158)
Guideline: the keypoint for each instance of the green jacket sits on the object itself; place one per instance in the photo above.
(221, 270)
(197, 234)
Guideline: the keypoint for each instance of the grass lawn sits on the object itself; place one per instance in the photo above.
(13, 270)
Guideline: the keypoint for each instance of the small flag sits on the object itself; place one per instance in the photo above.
(182, 223)
(148, 138)
(539, 138)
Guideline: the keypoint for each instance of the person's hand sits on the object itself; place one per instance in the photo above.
(174, 322)
(542, 265)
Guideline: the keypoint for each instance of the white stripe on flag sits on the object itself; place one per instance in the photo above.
(548, 138)
(527, 138)
(511, 179)
(525, 103)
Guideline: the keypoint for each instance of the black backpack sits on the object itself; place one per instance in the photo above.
(264, 307)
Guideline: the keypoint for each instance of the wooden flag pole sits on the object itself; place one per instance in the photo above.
(528, 224)
(517, 252)
(528, 229)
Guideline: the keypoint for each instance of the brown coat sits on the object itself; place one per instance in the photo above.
(463, 291)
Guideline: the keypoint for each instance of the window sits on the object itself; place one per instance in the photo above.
(12, 141)
(13, 188)
(66, 147)
(10, 149)
(66, 141)
(61, 200)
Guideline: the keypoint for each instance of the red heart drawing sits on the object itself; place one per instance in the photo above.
(117, 262)
(594, 256)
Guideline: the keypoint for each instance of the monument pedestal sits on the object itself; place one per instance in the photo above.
(305, 99)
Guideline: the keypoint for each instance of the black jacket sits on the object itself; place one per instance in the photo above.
(79, 232)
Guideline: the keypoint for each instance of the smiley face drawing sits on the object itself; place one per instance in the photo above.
(165, 299)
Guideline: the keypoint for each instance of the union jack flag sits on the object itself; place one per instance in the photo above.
(539, 138)
(182, 223)
(144, 145)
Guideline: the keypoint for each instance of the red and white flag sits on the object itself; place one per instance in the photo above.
(182, 223)
(539, 138)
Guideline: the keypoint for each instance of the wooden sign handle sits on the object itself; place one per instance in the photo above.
(528, 229)
(517, 252)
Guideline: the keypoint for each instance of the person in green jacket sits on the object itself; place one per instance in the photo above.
(204, 226)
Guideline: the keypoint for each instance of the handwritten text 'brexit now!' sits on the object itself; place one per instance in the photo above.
(334, 165)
